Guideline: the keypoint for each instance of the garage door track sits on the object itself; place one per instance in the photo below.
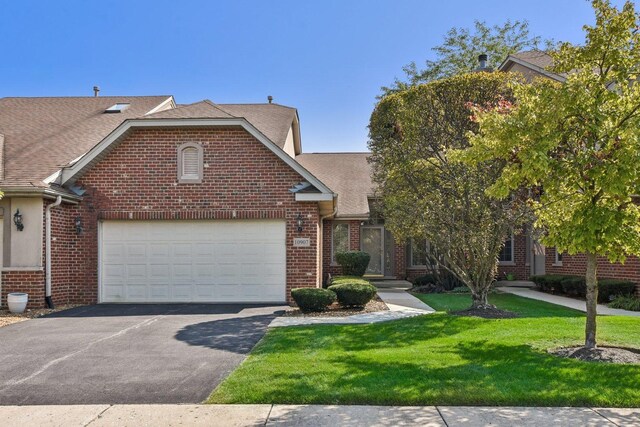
(171, 353)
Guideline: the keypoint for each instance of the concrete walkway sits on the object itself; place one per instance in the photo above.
(311, 415)
(566, 301)
(401, 306)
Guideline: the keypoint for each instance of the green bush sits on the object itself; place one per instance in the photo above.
(339, 280)
(548, 282)
(574, 286)
(354, 294)
(626, 302)
(427, 279)
(353, 263)
(313, 299)
(610, 288)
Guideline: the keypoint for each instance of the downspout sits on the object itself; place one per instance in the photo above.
(321, 241)
(47, 290)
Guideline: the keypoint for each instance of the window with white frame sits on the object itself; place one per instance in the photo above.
(558, 257)
(339, 239)
(506, 254)
(190, 163)
(418, 253)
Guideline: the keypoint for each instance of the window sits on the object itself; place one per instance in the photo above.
(558, 257)
(339, 239)
(117, 108)
(506, 254)
(190, 163)
(418, 253)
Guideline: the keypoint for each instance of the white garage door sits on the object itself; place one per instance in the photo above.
(192, 261)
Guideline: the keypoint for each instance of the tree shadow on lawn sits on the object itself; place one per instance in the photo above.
(392, 334)
(472, 373)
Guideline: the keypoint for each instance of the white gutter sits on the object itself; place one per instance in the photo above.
(47, 293)
(321, 241)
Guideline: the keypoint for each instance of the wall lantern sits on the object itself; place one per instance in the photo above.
(79, 227)
(300, 222)
(17, 220)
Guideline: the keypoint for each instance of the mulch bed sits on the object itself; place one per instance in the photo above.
(486, 313)
(335, 310)
(8, 318)
(600, 354)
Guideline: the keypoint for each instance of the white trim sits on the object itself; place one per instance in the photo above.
(332, 260)
(182, 179)
(513, 254)
(314, 197)
(535, 68)
(100, 297)
(6, 269)
(70, 174)
(162, 105)
(556, 262)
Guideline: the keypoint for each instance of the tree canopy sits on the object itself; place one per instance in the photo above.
(424, 193)
(580, 142)
(459, 51)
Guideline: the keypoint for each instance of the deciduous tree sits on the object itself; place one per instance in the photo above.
(425, 194)
(580, 142)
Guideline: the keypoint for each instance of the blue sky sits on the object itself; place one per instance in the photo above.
(327, 58)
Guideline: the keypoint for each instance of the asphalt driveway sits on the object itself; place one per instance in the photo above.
(170, 353)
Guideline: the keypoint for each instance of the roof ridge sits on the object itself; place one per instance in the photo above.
(88, 96)
(217, 106)
(261, 103)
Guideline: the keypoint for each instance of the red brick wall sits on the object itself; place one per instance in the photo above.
(577, 265)
(138, 180)
(30, 282)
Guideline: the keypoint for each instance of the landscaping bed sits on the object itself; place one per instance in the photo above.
(335, 310)
(441, 359)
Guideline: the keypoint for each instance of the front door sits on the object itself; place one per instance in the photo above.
(537, 258)
(372, 242)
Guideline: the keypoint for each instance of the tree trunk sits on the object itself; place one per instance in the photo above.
(592, 300)
(479, 299)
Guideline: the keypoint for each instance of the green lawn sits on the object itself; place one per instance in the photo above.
(440, 359)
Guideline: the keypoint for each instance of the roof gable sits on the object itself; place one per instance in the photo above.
(532, 63)
(69, 175)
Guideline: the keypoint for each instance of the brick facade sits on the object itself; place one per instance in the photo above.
(242, 179)
(519, 268)
(27, 281)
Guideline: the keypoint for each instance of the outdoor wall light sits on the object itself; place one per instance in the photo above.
(17, 220)
(79, 227)
(300, 222)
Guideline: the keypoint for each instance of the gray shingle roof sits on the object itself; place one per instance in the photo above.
(273, 120)
(536, 57)
(43, 134)
(347, 174)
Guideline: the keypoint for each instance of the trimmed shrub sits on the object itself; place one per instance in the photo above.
(354, 294)
(548, 282)
(574, 286)
(625, 302)
(608, 289)
(313, 299)
(427, 279)
(353, 263)
(339, 280)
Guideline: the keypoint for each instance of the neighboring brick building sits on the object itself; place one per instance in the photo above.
(149, 201)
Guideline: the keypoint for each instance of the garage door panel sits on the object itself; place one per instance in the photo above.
(193, 261)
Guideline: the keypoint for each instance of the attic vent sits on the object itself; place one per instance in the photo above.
(117, 108)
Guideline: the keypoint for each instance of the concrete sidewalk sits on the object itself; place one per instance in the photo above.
(312, 415)
(566, 301)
